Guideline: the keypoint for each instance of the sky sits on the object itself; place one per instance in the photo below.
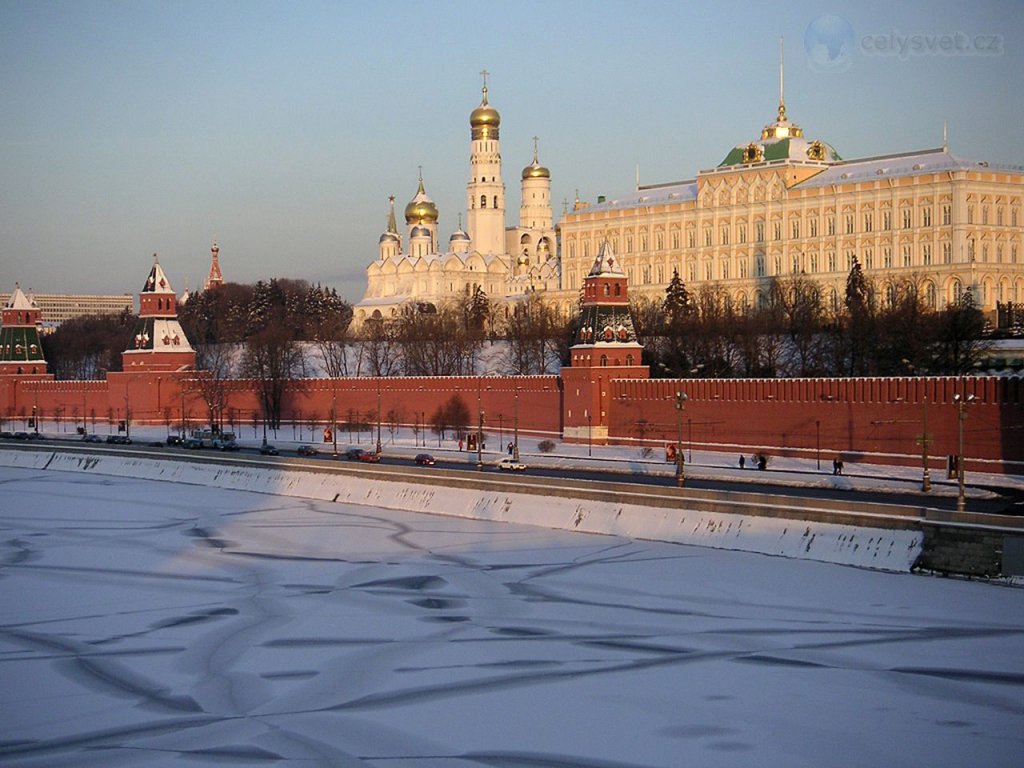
(279, 129)
(152, 625)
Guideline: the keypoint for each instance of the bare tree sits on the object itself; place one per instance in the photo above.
(272, 358)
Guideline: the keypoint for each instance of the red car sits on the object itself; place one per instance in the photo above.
(369, 458)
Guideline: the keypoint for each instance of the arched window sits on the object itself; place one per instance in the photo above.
(604, 362)
(607, 291)
(618, 289)
(629, 359)
(483, 201)
(495, 201)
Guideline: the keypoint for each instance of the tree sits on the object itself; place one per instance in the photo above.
(859, 319)
(272, 358)
(88, 347)
(453, 415)
(959, 344)
(534, 333)
(677, 300)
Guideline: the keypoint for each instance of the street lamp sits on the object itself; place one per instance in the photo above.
(334, 417)
(961, 402)
(479, 431)
(380, 448)
(681, 398)
(926, 478)
(590, 433)
(515, 433)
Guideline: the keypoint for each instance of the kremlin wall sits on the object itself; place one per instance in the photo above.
(605, 396)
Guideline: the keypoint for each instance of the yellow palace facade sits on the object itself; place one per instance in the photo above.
(783, 205)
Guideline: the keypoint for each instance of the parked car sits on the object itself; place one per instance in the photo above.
(118, 440)
(174, 440)
(424, 459)
(352, 454)
(268, 450)
(225, 445)
(92, 439)
(307, 450)
(5, 435)
(21, 435)
(193, 443)
(509, 464)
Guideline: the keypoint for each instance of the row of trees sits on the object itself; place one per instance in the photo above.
(795, 331)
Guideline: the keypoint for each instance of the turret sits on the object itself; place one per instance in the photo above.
(159, 343)
(20, 349)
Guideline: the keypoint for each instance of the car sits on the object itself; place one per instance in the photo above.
(306, 450)
(353, 454)
(225, 445)
(21, 435)
(424, 459)
(509, 464)
(157, 444)
(268, 450)
(193, 443)
(119, 440)
(5, 435)
(175, 440)
(92, 439)
(369, 458)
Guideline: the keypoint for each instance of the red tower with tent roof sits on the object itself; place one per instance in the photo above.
(159, 343)
(605, 348)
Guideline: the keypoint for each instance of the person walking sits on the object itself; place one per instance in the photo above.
(743, 461)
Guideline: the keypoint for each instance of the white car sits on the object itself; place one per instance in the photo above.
(511, 465)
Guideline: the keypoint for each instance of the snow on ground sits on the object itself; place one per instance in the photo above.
(157, 624)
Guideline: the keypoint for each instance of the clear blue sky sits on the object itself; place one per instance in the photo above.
(280, 128)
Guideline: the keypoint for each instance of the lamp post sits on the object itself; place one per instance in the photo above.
(926, 478)
(961, 402)
(479, 430)
(515, 432)
(380, 448)
(590, 433)
(681, 398)
(817, 437)
(334, 417)
(127, 416)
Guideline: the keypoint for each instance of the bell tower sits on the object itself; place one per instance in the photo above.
(485, 193)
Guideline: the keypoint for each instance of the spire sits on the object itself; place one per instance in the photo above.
(945, 138)
(392, 226)
(782, 80)
(484, 73)
(214, 278)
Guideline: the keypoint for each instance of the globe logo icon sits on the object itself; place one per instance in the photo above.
(829, 42)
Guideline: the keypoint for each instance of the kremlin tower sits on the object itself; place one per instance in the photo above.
(606, 348)
(159, 343)
(20, 350)
(215, 278)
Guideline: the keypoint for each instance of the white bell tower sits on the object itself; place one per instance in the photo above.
(485, 208)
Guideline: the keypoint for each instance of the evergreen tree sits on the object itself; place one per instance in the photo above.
(677, 299)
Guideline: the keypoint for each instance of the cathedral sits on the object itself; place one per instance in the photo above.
(414, 270)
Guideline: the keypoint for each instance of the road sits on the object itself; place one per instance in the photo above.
(1006, 502)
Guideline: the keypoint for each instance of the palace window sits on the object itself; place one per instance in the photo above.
(725, 234)
(759, 264)
(778, 266)
(1013, 217)
(984, 214)
(999, 254)
(906, 255)
(849, 223)
(707, 236)
(645, 273)
(691, 239)
(629, 243)
(984, 252)
(725, 269)
(947, 215)
(926, 217)
(814, 263)
(741, 232)
(869, 259)
(777, 230)
(830, 225)
(887, 258)
(707, 270)
(831, 261)
(691, 272)
(743, 267)
(970, 214)
(643, 242)
(759, 231)
(659, 241)
(947, 252)
(869, 221)
(886, 219)
(814, 227)
(906, 218)
(849, 260)
(794, 229)
(675, 240)
(930, 296)
(926, 254)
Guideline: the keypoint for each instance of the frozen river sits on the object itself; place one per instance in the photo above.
(151, 624)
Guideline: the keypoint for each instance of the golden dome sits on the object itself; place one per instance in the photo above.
(536, 171)
(484, 120)
(421, 209)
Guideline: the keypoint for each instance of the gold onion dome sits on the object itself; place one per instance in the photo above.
(536, 171)
(421, 209)
(484, 120)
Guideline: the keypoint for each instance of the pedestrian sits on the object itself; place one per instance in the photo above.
(460, 443)
(510, 448)
(743, 461)
(835, 466)
(840, 465)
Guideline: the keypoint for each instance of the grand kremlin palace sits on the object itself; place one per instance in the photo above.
(778, 205)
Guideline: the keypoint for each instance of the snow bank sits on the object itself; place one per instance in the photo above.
(877, 548)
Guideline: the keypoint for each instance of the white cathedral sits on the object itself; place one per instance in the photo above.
(506, 263)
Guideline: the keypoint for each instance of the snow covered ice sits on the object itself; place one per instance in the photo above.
(158, 624)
